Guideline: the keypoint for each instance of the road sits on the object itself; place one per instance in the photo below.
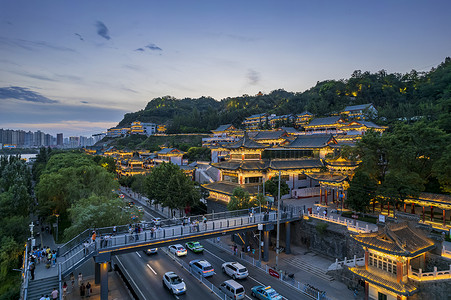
(147, 273)
(214, 255)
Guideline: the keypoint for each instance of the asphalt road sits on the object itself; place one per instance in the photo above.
(147, 273)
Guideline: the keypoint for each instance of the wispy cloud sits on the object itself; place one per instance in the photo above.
(33, 45)
(253, 76)
(153, 47)
(102, 30)
(79, 36)
(20, 93)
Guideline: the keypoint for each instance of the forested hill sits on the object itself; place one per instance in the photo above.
(396, 96)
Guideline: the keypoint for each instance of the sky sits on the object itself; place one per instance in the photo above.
(77, 67)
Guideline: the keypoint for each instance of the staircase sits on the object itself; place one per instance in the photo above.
(39, 287)
(304, 265)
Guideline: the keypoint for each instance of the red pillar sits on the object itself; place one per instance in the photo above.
(444, 219)
(413, 209)
(432, 212)
(388, 209)
(405, 207)
(367, 290)
(320, 195)
(325, 196)
(374, 205)
(423, 214)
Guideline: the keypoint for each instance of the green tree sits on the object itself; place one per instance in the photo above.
(272, 187)
(239, 200)
(98, 211)
(361, 191)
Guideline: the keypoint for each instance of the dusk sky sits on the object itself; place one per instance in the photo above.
(77, 66)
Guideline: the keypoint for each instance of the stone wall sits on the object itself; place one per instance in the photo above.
(433, 290)
(433, 260)
(335, 241)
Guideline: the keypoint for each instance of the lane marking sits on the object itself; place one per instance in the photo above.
(176, 296)
(247, 296)
(151, 269)
(138, 253)
(136, 286)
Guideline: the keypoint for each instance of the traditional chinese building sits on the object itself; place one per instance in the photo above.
(303, 119)
(360, 112)
(328, 125)
(390, 254)
(254, 122)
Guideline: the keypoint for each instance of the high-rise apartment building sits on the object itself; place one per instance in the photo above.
(59, 139)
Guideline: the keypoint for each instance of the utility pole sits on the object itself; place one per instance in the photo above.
(278, 224)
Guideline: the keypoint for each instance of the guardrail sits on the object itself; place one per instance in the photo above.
(429, 276)
(446, 253)
(25, 267)
(347, 262)
(111, 243)
(342, 221)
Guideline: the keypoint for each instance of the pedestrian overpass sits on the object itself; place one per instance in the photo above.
(75, 253)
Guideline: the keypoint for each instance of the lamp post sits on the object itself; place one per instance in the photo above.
(56, 239)
(31, 229)
(278, 223)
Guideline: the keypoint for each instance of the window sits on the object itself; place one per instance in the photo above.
(302, 177)
(285, 178)
(381, 296)
(252, 179)
(383, 263)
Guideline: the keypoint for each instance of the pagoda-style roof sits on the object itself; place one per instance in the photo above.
(385, 280)
(289, 130)
(397, 239)
(327, 177)
(290, 164)
(341, 162)
(305, 113)
(245, 165)
(170, 151)
(225, 127)
(312, 141)
(324, 121)
(226, 187)
(244, 142)
(358, 107)
(270, 135)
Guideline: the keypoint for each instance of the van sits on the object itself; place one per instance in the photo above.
(232, 289)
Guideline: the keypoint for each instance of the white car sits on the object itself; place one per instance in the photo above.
(174, 283)
(178, 250)
(235, 270)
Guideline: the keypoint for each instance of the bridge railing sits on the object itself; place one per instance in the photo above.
(110, 242)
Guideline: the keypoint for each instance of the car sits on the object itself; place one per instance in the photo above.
(265, 293)
(140, 208)
(122, 196)
(174, 283)
(235, 270)
(156, 221)
(196, 247)
(178, 250)
(202, 267)
(232, 289)
(151, 251)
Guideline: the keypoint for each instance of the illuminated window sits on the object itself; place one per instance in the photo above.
(381, 296)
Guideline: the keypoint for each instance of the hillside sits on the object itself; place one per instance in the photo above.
(396, 96)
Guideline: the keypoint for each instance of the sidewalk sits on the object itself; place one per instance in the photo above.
(45, 239)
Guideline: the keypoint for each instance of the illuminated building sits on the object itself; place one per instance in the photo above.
(360, 112)
(390, 256)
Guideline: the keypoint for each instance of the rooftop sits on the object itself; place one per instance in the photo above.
(312, 141)
(324, 121)
(357, 107)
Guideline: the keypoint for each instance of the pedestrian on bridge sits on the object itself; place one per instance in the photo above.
(114, 230)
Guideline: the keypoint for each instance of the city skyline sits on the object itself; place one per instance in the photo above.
(77, 67)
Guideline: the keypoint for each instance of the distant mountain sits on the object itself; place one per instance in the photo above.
(397, 97)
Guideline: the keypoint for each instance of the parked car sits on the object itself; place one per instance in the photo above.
(232, 289)
(178, 250)
(151, 251)
(196, 247)
(235, 270)
(140, 208)
(265, 293)
(202, 267)
(174, 283)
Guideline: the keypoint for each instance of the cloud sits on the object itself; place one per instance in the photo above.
(253, 76)
(153, 47)
(79, 36)
(20, 93)
(33, 45)
(102, 30)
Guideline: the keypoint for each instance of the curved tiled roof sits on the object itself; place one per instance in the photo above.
(241, 164)
(397, 239)
(384, 280)
(324, 121)
(244, 142)
(311, 141)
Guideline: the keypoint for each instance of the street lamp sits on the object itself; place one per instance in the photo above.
(278, 223)
(31, 229)
(56, 215)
